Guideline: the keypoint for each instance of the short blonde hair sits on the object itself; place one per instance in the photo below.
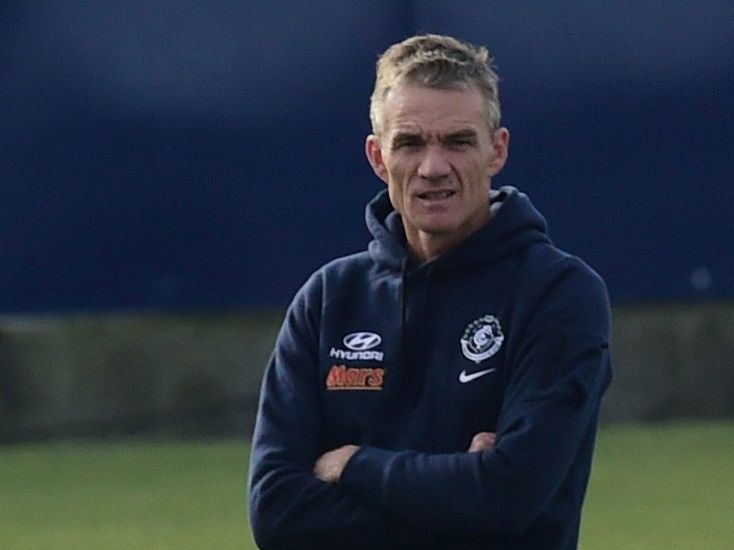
(436, 61)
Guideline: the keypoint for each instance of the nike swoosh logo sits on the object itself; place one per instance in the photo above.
(464, 377)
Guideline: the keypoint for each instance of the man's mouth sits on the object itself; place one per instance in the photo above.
(435, 195)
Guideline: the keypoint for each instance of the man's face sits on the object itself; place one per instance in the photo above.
(437, 156)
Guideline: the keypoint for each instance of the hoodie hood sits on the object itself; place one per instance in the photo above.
(515, 224)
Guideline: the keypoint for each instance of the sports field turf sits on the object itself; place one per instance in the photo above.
(668, 486)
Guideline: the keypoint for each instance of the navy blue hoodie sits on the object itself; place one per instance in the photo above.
(504, 333)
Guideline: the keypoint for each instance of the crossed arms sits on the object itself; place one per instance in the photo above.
(305, 495)
(331, 464)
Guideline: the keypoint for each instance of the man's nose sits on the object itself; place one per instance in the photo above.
(434, 164)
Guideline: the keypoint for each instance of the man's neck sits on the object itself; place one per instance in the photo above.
(424, 246)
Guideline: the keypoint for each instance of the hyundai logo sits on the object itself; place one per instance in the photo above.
(360, 341)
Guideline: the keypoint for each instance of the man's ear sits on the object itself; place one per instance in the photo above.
(374, 156)
(501, 146)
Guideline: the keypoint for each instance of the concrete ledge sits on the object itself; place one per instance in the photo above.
(109, 374)
(100, 375)
(672, 361)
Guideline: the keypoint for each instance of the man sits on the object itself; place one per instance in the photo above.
(442, 388)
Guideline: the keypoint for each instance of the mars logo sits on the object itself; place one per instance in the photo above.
(341, 377)
(482, 339)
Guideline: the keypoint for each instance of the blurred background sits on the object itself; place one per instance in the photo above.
(172, 172)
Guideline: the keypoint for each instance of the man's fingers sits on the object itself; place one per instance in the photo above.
(483, 441)
(330, 465)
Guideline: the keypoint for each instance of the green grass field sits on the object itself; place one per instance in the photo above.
(655, 487)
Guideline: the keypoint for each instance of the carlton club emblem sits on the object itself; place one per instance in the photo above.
(482, 339)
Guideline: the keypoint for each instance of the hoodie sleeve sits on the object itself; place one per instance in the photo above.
(289, 507)
(548, 419)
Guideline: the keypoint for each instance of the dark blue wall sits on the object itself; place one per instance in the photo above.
(184, 155)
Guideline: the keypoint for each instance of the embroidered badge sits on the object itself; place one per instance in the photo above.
(360, 347)
(482, 338)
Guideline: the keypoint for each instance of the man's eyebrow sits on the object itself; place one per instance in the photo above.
(406, 137)
(461, 134)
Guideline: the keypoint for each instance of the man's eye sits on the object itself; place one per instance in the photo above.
(462, 142)
(406, 144)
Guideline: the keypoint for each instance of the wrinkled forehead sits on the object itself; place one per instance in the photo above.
(415, 108)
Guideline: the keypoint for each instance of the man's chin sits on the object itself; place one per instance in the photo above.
(438, 229)
(439, 224)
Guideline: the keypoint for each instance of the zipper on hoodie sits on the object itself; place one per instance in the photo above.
(414, 321)
(401, 350)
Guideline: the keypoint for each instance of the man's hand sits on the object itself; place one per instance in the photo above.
(482, 441)
(330, 465)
